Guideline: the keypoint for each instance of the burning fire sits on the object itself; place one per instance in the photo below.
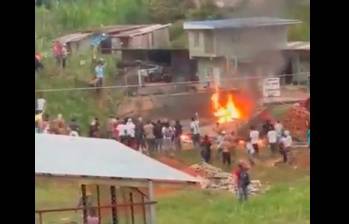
(226, 113)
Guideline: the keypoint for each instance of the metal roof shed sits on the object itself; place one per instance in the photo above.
(102, 161)
(233, 23)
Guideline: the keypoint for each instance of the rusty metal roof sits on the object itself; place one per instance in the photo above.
(74, 37)
(142, 30)
(60, 155)
(114, 31)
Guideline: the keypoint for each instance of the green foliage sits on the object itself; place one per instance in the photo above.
(165, 11)
(208, 10)
(82, 104)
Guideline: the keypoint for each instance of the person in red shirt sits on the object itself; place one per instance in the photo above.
(242, 180)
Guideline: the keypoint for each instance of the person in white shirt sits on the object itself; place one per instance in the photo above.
(195, 131)
(250, 151)
(130, 128)
(167, 135)
(122, 131)
(286, 142)
(219, 142)
(40, 105)
(278, 128)
(254, 135)
(272, 140)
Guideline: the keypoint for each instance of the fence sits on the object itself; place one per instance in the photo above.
(297, 80)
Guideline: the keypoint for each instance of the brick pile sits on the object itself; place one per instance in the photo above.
(296, 121)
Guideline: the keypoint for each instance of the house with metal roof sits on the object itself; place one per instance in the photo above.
(233, 46)
(91, 163)
(118, 37)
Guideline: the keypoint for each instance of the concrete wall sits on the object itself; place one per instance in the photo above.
(157, 39)
(80, 47)
(197, 41)
(243, 43)
(246, 43)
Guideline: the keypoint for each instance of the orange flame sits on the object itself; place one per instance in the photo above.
(227, 113)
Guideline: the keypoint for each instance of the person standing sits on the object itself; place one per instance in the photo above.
(57, 52)
(64, 55)
(250, 152)
(139, 134)
(286, 143)
(130, 128)
(278, 128)
(40, 105)
(226, 154)
(167, 133)
(242, 180)
(94, 128)
(149, 136)
(122, 132)
(74, 126)
(254, 135)
(267, 126)
(158, 136)
(219, 142)
(272, 140)
(178, 133)
(110, 124)
(99, 72)
(195, 131)
(206, 149)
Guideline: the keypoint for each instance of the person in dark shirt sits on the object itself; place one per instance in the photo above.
(206, 149)
(74, 126)
(158, 136)
(267, 126)
(94, 128)
(178, 133)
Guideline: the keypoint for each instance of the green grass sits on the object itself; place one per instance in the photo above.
(286, 202)
(82, 104)
(282, 204)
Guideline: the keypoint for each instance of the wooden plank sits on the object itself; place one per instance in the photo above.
(99, 204)
(84, 204)
(114, 204)
(132, 209)
(151, 198)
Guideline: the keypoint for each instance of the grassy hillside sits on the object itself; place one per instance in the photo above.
(61, 17)
(82, 104)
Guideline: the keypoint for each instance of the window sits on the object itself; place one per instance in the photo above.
(196, 39)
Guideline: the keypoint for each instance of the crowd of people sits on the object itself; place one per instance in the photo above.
(164, 136)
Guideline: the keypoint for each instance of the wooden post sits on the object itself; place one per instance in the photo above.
(124, 199)
(143, 210)
(40, 218)
(99, 204)
(114, 204)
(152, 206)
(84, 203)
(132, 209)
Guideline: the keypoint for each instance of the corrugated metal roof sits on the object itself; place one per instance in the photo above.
(141, 31)
(298, 45)
(80, 156)
(238, 23)
(74, 37)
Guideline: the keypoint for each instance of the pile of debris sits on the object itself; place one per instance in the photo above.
(296, 121)
(215, 178)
